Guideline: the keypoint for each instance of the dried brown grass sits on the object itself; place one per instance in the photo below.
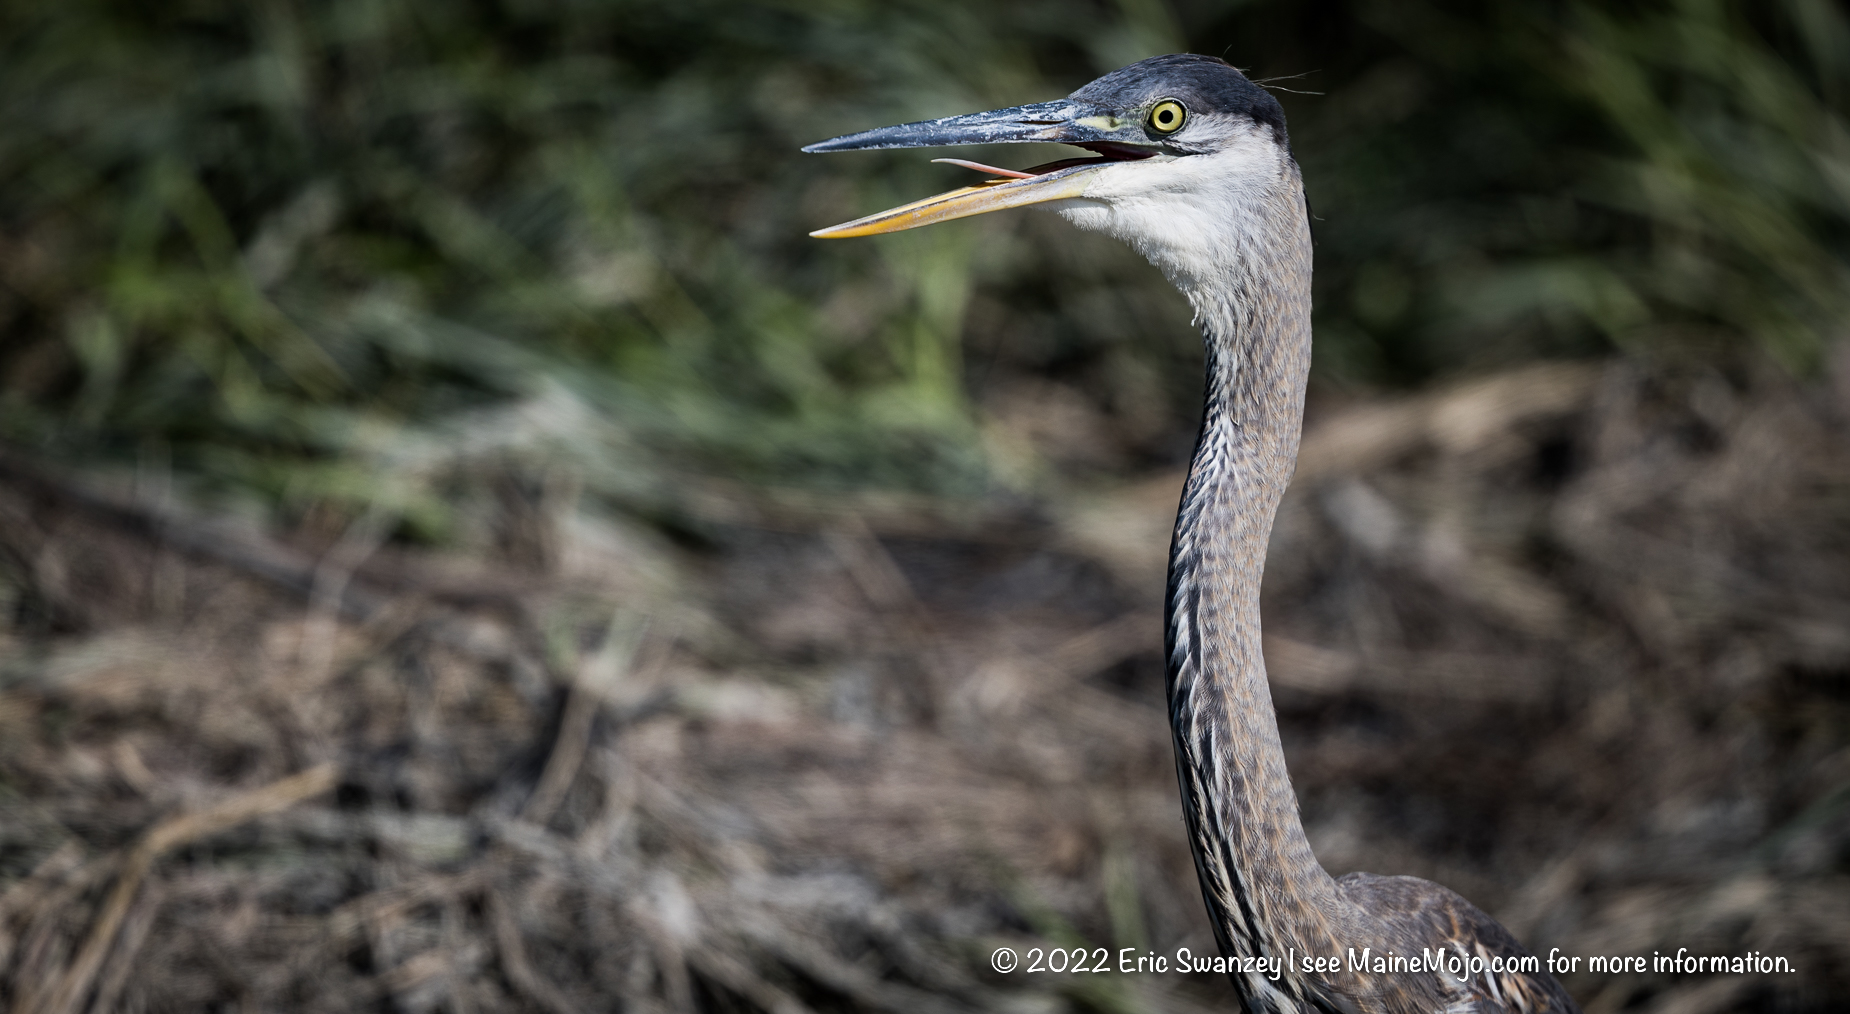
(1574, 641)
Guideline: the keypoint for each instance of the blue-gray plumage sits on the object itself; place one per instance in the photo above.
(1196, 173)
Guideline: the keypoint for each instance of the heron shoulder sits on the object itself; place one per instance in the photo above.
(1415, 916)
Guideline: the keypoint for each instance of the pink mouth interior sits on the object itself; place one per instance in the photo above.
(990, 169)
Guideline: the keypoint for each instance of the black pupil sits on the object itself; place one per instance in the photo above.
(1166, 116)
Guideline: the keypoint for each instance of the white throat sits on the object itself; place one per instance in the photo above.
(1206, 221)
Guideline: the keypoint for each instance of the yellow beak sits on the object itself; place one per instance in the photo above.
(991, 195)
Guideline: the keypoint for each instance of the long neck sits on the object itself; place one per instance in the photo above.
(1265, 889)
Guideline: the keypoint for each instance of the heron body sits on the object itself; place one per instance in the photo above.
(1196, 173)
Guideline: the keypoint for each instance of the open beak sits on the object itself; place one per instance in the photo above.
(1062, 122)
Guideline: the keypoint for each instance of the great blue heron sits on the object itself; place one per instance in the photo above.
(1196, 173)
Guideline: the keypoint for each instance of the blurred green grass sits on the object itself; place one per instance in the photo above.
(303, 254)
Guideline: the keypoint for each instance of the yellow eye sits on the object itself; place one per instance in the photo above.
(1167, 116)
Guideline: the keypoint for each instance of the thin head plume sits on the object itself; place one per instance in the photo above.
(1268, 85)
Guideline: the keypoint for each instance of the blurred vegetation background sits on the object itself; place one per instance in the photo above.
(278, 248)
(462, 546)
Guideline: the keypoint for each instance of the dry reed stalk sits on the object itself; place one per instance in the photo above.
(594, 679)
(73, 987)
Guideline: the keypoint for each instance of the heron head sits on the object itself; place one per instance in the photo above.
(1183, 145)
